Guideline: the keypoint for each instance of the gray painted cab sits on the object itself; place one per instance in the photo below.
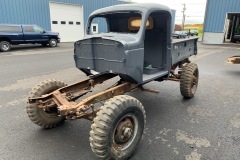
(138, 56)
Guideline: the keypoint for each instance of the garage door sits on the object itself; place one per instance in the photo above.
(67, 20)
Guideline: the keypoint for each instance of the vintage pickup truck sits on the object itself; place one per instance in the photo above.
(23, 34)
(136, 46)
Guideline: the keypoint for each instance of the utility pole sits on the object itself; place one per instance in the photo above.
(183, 19)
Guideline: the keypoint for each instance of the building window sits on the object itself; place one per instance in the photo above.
(71, 22)
(78, 23)
(63, 22)
(54, 22)
(94, 28)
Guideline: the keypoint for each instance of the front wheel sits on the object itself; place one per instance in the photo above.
(53, 42)
(189, 80)
(47, 118)
(117, 128)
(5, 46)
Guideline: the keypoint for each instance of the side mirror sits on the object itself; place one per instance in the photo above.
(43, 32)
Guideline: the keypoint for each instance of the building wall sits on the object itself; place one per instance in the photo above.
(38, 11)
(215, 17)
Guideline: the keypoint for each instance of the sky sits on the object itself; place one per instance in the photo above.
(195, 9)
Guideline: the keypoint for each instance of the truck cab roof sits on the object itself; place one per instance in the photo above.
(142, 7)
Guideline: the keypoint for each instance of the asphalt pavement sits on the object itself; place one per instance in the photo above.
(206, 127)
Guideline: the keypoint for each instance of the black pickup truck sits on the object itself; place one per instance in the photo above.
(23, 34)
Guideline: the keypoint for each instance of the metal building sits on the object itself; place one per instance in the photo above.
(68, 17)
(222, 21)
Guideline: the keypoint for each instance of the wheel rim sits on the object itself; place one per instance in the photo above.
(194, 81)
(125, 132)
(53, 43)
(5, 46)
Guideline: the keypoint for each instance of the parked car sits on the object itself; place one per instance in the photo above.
(179, 34)
(193, 32)
(23, 34)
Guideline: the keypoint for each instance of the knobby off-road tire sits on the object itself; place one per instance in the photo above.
(45, 118)
(189, 80)
(117, 128)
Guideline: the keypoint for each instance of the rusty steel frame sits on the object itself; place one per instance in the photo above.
(176, 77)
(64, 98)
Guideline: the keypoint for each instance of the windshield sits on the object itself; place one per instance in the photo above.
(116, 22)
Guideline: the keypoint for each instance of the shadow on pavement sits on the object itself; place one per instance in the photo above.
(27, 47)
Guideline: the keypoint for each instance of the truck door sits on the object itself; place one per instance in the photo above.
(29, 34)
(40, 34)
(34, 34)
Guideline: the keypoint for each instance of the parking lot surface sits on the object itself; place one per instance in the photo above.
(204, 127)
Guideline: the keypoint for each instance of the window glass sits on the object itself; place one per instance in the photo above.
(78, 23)
(38, 29)
(99, 21)
(28, 29)
(117, 22)
(71, 22)
(54, 22)
(63, 22)
(15, 29)
(94, 28)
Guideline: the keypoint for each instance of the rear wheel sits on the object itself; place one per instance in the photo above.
(47, 118)
(53, 42)
(117, 128)
(189, 80)
(5, 46)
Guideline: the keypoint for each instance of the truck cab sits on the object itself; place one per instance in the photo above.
(135, 42)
